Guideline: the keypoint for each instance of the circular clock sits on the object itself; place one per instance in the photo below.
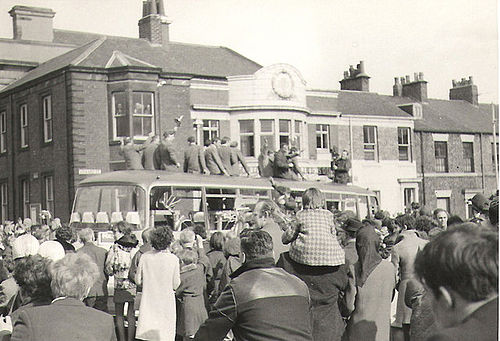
(283, 85)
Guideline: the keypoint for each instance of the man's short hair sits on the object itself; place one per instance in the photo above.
(233, 144)
(86, 235)
(464, 259)
(146, 234)
(225, 140)
(256, 243)
(215, 139)
(191, 139)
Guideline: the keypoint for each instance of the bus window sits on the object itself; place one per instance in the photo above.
(98, 206)
(188, 199)
(363, 206)
(172, 203)
(220, 204)
(249, 197)
(349, 203)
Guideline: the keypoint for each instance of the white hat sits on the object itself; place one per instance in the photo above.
(24, 245)
(52, 250)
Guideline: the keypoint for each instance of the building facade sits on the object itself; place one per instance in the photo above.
(64, 110)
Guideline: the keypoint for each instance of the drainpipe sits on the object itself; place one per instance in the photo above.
(351, 147)
(495, 151)
(422, 168)
(482, 163)
(13, 158)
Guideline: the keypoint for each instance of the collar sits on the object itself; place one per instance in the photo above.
(259, 263)
(189, 267)
(67, 301)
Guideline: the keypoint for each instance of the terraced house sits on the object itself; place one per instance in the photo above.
(67, 98)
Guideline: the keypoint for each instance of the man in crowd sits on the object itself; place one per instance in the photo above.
(131, 152)
(459, 268)
(342, 166)
(282, 165)
(261, 302)
(164, 155)
(225, 154)
(237, 158)
(98, 296)
(194, 158)
(148, 153)
(213, 160)
(480, 206)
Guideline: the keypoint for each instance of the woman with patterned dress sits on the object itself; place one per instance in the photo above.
(118, 264)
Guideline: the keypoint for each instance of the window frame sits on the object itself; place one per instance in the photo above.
(25, 195)
(468, 159)
(322, 137)
(284, 134)
(437, 167)
(3, 132)
(402, 144)
(48, 193)
(23, 125)
(368, 144)
(4, 201)
(212, 131)
(270, 136)
(142, 115)
(250, 135)
(297, 133)
(47, 118)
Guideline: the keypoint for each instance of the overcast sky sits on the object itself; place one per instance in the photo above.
(445, 39)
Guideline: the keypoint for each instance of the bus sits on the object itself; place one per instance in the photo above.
(146, 198)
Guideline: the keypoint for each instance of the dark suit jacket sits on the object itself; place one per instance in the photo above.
(98, 255)
(212, 158)
(236, 158)
(164, 157)
(225, 157)
(63, 320)
(281, 167)
(482, 325)
(148, 154)
(194, 159)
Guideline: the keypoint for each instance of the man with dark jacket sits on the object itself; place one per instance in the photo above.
(225, 154)
(282, 165)
(98, 295)
(164, 155)
(261, 302)
(194, 158)
(459, 269)
(237, 158)
(213, 160)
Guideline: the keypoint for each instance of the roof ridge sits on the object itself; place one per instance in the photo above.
(93, 46)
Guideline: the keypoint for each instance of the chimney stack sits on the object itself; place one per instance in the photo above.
(32, 23)
(153, 25)
(465, 90)
(397, 88)
(355, 78)
(417, 89)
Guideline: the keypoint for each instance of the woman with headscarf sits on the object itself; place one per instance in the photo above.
(375, 279)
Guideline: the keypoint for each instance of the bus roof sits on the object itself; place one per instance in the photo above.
(148, 178)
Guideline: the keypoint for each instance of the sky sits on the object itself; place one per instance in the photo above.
(446, 39)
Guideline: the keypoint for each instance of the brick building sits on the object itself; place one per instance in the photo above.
(68, 97)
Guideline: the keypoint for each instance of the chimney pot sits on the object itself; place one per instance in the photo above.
(346, 74)
(415, 76)
(407, 78)
(471, 81)
(454, 83)
(361, 67)
(396, 80)
(420, 76)
(403, 80)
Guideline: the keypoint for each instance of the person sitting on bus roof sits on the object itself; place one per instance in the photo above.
(237, 158)
(213, 160)
(164, 155)
(131, 152)
(282, 166)
(194, 158)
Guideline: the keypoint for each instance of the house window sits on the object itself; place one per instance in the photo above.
(298, 134)
(143, 114)
(370, 142)
(444, 203)
(247, 133)
(409, 196)
(404, 146)
(441, 154)
(322, 136)
(267, 134)
(210, 130)
(285, 131)
(24, 125)
(25, 197)
(3, 202)
(49, 193)
(47, 118)
(121, 126)
(468, 148)
(494, 157)
(3, 132)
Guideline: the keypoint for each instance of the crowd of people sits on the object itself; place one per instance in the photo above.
(285, 274)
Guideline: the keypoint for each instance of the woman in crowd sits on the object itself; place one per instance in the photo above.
(441, 216)
(66, 318)
(158, 273)
(64, 235)
(191, 304)
(118, 264)
(233, 260)
(371, 295)
(217, 261)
